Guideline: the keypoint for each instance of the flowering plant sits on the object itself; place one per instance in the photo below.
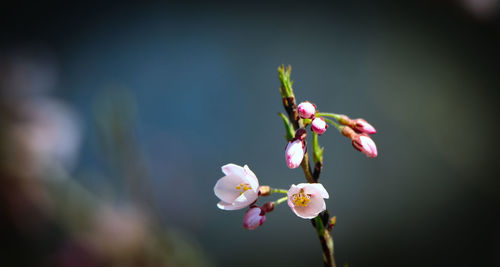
(239, 188)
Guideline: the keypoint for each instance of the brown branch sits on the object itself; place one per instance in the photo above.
(317, 170)
(291, 110)
(307, 169)
(327, 248)
(323, 233)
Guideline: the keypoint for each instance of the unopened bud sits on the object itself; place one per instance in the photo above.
(254, 218)
(264, 190)
(319, 125)
(366, 145)
(362, 126)
(306, 110)
(268, 207)
(294, 153)
(331, 223)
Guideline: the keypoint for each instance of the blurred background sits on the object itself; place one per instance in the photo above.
(116, 118)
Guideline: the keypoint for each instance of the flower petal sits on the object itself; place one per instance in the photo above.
(253, 218)
(312, 210)
(294, 154)
(225, 188)
(228, 206)
(317, 204)
(317, 189)
(247, 198)
(251, 178)
(294, 189)
(234, 169)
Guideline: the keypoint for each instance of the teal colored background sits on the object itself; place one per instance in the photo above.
(202, 81)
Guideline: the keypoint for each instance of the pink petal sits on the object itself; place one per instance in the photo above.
(363, 126)
(316, 189)
(306, 110)
(294, 189)
(317, 204)
(294, 154)
(312, 210)
(318, 125)
(253, 218)
(369, 147)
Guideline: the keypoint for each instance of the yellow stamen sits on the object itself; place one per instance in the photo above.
(301, 199)
(243, 187)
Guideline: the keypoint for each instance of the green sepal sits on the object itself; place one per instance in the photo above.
(290, 133)
(317, 150)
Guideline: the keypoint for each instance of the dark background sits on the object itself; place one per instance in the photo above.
(200, 80)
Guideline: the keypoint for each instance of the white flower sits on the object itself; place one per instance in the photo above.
(238, 189)
(307, 200)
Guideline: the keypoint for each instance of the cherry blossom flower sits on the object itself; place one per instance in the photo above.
(254, 218)
(366, 145)
(319, 125)
(307, 200)
(238, 189)
(306, 110)
(294, 153)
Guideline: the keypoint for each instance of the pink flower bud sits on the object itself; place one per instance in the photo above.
(366, 145)
(306, 110)
(254, 218)
(362, 126)
(319, 125)
(294, 153)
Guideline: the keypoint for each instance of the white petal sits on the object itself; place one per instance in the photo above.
(318, 189)
(290, 204)
(251, 178)
(293, 190)
(228, 206)
(234, 169)
(246, 198)
(225, 188)
(302, 185)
